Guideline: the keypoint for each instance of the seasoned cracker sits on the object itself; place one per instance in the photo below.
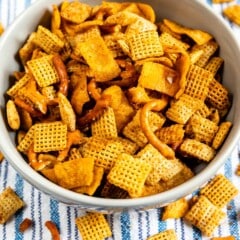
(75, 173)
(140, 25)
(220, 191)
(99, 58)
(76, 12)
(1, 29)
(10, 203)
(93, 226)
(169, 234)
(176, 209)
(123, 110)
(129, 174)
(224, 238)
(163, 79)
(199, 36)
(232, 13)
(221, 1)
(97, 179)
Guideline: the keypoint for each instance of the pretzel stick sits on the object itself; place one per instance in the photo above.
(20, 103)
(25, 224)
(93, 90)
(33, 162)
(62, 73)
(53, 230)
(73, 138)
(155, 105)
(97, 111)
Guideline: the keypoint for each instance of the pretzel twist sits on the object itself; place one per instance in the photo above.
(155, 105)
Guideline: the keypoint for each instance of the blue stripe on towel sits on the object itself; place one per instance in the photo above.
(19, 217)
(125, 226)
(148, 223)
(54, 211)
(162, 225)
(75, 226)
(140, 233)
(32, 204)
(40, 214)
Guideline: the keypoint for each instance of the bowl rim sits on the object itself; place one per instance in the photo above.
(50, 188)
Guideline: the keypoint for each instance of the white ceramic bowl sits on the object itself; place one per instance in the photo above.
(187, 12)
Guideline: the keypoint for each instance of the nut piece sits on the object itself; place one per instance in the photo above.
(13, 117)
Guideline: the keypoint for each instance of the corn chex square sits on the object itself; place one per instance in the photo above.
(220, 191)
(205, 216)
(47, 40)
(50, 136)
(9, 204)
(201, 129)
(221, 134)
(130, 174)
(162, 168)
(103, 151)
(43, 71)
(172, 134)
(196, 149)
(144, 45)
(218, 97)
(214, 65)
(93, 226)
(181, 177)
(198, 82)
(133, 129)
(181, 110)
(27, 141)
(111, 191)
(105, 126)
(208, 49)
(13, 91)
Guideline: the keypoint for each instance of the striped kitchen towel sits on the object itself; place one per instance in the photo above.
(129, 225)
